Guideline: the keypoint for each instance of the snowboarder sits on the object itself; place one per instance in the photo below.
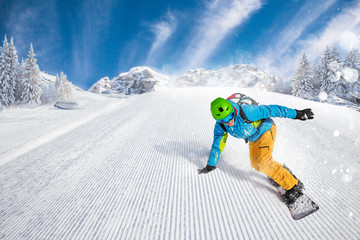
(254, 123)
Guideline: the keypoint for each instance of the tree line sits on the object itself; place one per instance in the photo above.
(22, 84)
(330, 79)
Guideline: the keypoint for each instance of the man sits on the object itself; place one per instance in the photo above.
(254, 123)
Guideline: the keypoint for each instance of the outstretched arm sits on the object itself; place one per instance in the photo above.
(254, 112)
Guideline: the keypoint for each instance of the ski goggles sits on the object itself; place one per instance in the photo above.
(228, 118)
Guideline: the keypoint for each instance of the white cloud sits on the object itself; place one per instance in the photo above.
(88, 37)
(343, 30)
(279, 58)
(349, 40)
(220, 18)
(26, 25)
(162, 31)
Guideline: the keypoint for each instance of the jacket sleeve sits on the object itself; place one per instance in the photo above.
(220, 137)
(253, 112)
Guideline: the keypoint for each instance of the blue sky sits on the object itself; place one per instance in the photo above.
(92, 39)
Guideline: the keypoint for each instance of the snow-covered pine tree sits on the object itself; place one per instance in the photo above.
(58, 88)
(63, 88)
(323, 71)
(328, 71)
(340, 86)
(14, 65)
(8, 73)
(2, 71)
(352, 61)
(20, 84)
(302, 84)
(30, 80)
(68, 89)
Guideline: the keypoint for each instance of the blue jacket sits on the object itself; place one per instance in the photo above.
(241, 129)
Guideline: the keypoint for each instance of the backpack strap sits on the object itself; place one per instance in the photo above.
(258, 123)
(223, 127)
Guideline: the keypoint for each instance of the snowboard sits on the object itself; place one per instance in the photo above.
(302, 207)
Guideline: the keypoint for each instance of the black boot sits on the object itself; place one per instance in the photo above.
(291, 195)
(275, 184)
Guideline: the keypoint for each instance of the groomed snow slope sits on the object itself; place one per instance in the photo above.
(127, 169)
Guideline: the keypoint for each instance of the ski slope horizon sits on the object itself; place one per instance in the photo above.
(126, 168)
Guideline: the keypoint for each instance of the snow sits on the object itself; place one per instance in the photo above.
(239, 75)
(138, 80)
(126, 168)
(350, 74)
(336, 133)
(335, 67)
(323, 96)
(47, 77)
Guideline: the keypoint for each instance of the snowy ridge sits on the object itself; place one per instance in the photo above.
(239, 75)
(131, 173)
(138, 80)
(100, 86)
(144, 79)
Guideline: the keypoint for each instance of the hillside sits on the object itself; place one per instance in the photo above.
(126, 168)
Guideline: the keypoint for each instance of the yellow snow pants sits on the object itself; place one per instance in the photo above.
(261, 160)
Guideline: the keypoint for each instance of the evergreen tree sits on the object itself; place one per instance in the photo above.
(323, 71)
(63, 87)
(352, 61)
(302, 85)
(3, 74)
(58, 87)
(329, 70)
(20, 83)
(30, 80)
(334, 54)
(2, 69)
(340, 86)
(8, 73)
(68, 90)
(14, 68)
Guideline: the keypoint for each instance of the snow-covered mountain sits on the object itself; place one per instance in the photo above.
(145, 79)
(104, 171)
(239, 75)
(138, 80)
(103, 85)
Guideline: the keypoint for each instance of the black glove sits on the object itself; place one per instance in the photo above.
(206, 169)
(304, 114)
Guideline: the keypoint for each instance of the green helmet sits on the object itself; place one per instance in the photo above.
(221, 108)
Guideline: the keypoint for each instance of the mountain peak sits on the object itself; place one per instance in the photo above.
(239, 75)
(137, 80)
(143, 79)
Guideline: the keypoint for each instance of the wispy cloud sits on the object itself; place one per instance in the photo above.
(343, 30)
(90, 32)
(220, 17)
(26, 24)
(278, 58)
(284, 52)
(162, 31)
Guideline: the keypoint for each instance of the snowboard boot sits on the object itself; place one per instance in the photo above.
(291, 195)
(275, 184)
